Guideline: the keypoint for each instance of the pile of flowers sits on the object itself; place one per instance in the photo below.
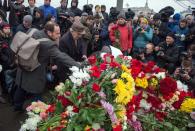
(121, 94)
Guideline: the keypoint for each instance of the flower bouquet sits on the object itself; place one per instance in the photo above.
(121, 94)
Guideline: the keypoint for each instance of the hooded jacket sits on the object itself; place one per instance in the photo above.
(75, 9)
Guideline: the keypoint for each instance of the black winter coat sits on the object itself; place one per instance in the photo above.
(171, 54)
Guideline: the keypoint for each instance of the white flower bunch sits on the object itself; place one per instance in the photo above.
(160, 75)
(181, 86)
(145, 104)
(79, 76)
(31, 123)
(60, 88)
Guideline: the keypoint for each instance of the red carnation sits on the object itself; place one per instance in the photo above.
(108, 58)
(75, 109)
(160, 115)
(136, 67)
(148, 67)
(155, 101)
(95, 72)
(51, 109)
(65, 102)
(117, 128)
(92, 60)
(96, 87)
(103, 66)
(115, 65)
(168, 86)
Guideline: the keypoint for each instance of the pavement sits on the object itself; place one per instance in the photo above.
(9, 119)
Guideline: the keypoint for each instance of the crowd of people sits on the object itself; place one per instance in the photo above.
(71, 35)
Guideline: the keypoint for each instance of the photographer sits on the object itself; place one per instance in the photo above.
(62, 9)
(142, 34)
(181, 31)
(87, 9)
(167, 53)
(64, 22)
(160, 29)
(17, 12)
(186, 73)
(146, 54)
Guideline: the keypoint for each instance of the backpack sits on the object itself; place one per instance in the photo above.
(26, 50)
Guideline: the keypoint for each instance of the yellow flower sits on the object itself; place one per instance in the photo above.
(121, 112)
(125, 69)
(154, 82)
(124, 91)
(188, 105)
(141, 82)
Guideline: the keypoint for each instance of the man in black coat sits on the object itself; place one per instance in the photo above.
(17, 12)
(34, 81)
(72, 44)
(167, 53)
(160, 30)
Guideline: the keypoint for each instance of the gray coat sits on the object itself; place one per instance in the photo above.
(34, 82)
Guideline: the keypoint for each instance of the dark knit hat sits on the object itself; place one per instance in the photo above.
(171, 34)
(121, 15)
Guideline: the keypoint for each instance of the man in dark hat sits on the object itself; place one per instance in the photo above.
(62, 9)
(168, 53)
(74, 8)
(72, 44)
(126, 35)
(160, 29)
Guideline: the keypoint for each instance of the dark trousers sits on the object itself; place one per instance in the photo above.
(21, 95)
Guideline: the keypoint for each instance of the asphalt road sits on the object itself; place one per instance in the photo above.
(10, 120)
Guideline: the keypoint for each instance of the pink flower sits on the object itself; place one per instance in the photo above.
(114, 81)
(29, 108)
(43, 115)
(192, 115)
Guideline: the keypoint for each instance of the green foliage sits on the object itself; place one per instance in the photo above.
(86, 116)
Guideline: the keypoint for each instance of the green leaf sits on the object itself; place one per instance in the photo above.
(168, 124)
(59, 108)
(191, 125)
(176, 129)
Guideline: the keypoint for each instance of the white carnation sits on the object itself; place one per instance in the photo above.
(160, 75)
(145, 104)
(31, 123)
(79, 76)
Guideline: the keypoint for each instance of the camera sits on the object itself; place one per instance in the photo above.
(160, 52)
(182, 71)
(87, 9)
(139, 29)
